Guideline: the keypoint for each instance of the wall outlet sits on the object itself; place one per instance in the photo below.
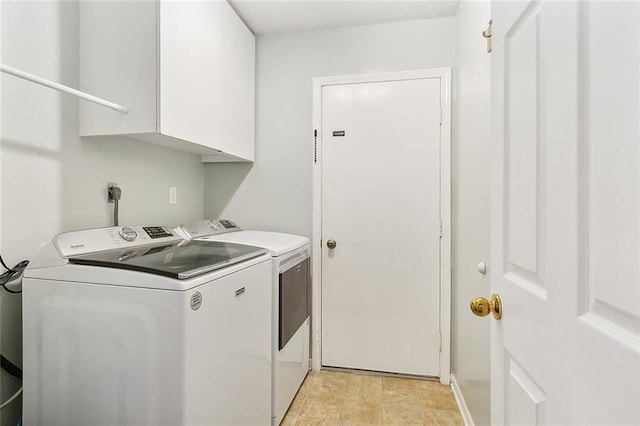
(172, 195)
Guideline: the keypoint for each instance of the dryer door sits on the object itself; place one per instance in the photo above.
(293, 300)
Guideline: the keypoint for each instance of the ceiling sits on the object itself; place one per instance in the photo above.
(277, 16)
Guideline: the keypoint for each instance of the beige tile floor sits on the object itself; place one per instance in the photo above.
(345, 398)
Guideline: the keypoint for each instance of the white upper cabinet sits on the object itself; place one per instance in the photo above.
(185, 70)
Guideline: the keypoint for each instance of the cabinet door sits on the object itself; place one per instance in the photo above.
(117, 57)
(190, 71)
(238, 91)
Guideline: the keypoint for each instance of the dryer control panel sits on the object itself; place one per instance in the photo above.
(204, 228)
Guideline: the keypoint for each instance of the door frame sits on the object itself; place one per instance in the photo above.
(444, 74)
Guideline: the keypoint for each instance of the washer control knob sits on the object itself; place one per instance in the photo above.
(214, 225)
(128, 234)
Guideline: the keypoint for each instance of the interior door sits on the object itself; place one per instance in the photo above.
(566, 212)
(380, 206)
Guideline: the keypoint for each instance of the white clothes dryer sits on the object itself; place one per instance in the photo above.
(136, 326)
(291, 278)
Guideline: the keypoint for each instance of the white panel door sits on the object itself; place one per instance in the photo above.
(566, 212)
(380, 203)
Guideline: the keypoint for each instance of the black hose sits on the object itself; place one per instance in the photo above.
(10, 368)
(12, 274)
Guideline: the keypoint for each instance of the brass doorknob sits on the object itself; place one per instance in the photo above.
(331, 244)
(481, 306)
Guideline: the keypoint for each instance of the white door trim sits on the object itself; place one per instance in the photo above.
(444, 74)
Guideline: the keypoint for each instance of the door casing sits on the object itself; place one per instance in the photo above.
(444, 74)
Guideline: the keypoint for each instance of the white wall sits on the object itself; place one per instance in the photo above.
(275, 193)
(471, 187)
(54, 181)
(2, 380)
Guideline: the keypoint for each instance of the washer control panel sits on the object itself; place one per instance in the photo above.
(207, 227)
(157, 232)
(102, 239)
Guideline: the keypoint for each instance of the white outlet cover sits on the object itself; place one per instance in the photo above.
(172, 195)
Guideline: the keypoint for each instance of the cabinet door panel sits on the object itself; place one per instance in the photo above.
(238, 92)
(118, 63)
(190, 71)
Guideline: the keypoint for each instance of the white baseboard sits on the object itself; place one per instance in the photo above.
(462, 405)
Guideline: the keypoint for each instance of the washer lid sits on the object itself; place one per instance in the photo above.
(181, 260)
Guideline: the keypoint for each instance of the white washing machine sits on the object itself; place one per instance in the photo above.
(291, 301)
(136, 326)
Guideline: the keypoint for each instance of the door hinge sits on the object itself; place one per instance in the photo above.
(315, 146)
(440, 335)
(320, 243)
(440, 229)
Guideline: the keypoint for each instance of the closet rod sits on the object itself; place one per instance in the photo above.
(57, 86)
